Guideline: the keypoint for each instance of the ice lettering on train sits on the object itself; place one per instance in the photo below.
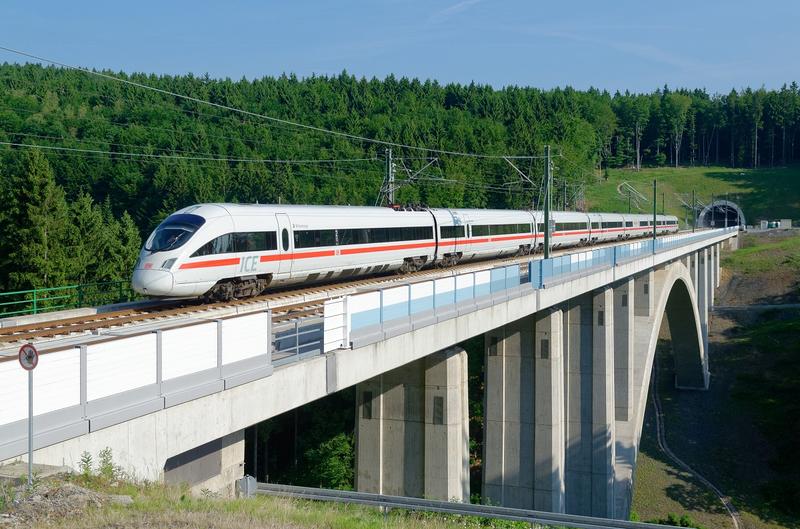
(249, 264)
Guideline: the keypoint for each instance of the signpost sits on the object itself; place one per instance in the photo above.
(29, 359)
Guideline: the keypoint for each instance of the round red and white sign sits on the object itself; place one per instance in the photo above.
(28, 357)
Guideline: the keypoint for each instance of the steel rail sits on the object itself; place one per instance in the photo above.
(462, 509)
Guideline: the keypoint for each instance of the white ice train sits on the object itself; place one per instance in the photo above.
(225, 251)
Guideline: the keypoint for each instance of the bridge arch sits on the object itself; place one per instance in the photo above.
(676, 299)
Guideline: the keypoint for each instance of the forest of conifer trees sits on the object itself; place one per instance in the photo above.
(114, 159)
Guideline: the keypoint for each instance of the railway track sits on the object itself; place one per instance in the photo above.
(286, 303)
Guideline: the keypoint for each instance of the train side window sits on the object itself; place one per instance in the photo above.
(540, 227)
(221, 244)
(314, 238)
(570, 226)
(256, 241)
(480, 230)
(628, 223)
(451, 232)
(595, 225)
(285, 239)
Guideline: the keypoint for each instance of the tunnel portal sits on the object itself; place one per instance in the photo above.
(719, 214)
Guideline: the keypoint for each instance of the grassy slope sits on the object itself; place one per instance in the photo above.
(740, 433)
(765, 257)
(765, 193)
(170, 507)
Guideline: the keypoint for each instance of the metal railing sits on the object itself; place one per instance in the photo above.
(297, 339)
(359, 319)
(247, 487)
(35, 301)
(544, 271)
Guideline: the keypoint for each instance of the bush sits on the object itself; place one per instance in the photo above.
(673, 520)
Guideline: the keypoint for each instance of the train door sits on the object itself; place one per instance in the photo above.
(285, 243)
(458, 222)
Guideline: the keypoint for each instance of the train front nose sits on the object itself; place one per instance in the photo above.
(153, 282)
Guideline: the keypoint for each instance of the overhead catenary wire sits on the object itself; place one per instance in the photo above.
(274, 119)
(206, 134)
(70, 151)
(177, 157)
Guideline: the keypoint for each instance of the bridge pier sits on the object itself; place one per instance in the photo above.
(412, 436)
(703, 296)
(623, 349)
(549, 438)
(524, 448)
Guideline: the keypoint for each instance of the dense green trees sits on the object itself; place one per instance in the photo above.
(145, 153)
(48, 242)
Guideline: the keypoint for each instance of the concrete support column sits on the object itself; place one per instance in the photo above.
(603, 406)
(645, 294)
(712, 274)
(412, 431)
(549, 446)
(623, 349)
(589, 345)
(703, 296)
(524, 449)
(693, 272)
(717, 261)
(508, 457)
(447, 426)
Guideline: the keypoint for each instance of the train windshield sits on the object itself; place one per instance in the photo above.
(174, 232)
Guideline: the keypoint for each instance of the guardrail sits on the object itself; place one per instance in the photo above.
(80, 389)
(565, 267)
(248, 487)
(360, 319)
(297, 339)
(35, 301)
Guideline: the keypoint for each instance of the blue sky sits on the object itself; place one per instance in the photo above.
(636, 45)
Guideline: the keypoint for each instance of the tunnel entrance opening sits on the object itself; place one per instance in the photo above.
(720, 214)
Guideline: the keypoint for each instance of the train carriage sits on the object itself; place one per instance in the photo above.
(225, 251)
(495, 233)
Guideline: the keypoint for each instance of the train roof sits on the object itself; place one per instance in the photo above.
(217, 209)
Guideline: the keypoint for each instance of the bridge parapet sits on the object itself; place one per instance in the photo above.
(358, 320)
(81, 389)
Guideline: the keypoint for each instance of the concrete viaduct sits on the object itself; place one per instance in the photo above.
(569, 348)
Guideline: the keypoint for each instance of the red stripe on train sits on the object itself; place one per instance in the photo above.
(213, 262)
(409, 246)
(292, 256)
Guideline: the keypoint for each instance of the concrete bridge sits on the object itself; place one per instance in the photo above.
(569, 345)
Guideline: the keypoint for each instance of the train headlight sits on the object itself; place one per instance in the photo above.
(166, 265)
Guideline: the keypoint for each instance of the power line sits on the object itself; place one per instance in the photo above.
(205, 135)
(139, 157)
(175, 157)
(260, 116)
(206, 154)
